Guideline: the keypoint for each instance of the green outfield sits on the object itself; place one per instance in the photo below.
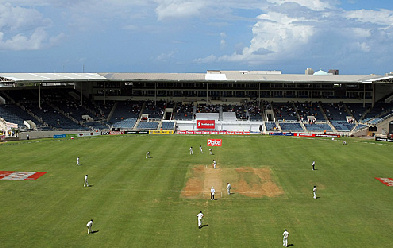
(139, 202)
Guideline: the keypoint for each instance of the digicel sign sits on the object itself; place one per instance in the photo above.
(206, 124)
(214, 142)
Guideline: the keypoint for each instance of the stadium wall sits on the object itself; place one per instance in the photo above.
(251, 126)
(51, 134)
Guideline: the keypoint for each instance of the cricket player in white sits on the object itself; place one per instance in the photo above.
(148, 155)
(211, 151)
(200, 216)
(191, 151)
(212, 192)
(200, 149)
(77, 161)
(314, 191)
(285, 238)
(313, 165)
(228, 188)
(86, 182)
(89, 226)
(214, 163)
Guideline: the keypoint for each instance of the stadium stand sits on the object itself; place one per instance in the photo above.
(168, 125)
(147, 125)
(184, 112)
(318, 127)
(271, 126)
(291, 126)
(285, 112)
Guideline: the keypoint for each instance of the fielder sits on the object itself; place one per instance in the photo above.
(344, 142)
(214, 163)
(200, 149)
(228, 188)
(211, 151)
(89, 226)
(191, 151)
(148, 155)
(212, 192)
(313, 165)
(200, 216)
(285, 238)
(86, 184)
(314, 191)
(77, 161)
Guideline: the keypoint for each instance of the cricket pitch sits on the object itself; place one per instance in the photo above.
(251, 182)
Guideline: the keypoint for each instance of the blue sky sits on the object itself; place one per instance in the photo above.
(354, 36)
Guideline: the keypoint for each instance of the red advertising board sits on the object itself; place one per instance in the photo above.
(206, 124)
(214, 142)
(214, 132)
(385, 180)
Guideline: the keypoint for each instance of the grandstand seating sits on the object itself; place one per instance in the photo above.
(148, 125)
(127, 123)
(14, 114)
(155, 111)
(271, 126)
(342, 126)
(291, 126)
(168, 125)
(126, 114)
(318, 127)
(335, 111)
(285, 111)
(309, 109)
(60, 109)
(184, 112)
(357, 110)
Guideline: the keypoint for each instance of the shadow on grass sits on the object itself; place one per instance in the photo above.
(202, 226)
(95, 231)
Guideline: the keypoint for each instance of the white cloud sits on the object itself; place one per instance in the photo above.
(361, 32)
(313, 4)
(165, 56)
(178, 8)
(378, 17)
(206, 60)
(275, 36)
(24, 29)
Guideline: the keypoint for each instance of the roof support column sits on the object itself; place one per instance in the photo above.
(104, 92)
(373, 96)
(207, 93)
(81, 93)
(39, 95)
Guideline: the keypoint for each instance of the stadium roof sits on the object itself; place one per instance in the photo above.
(34, 77)
(217, 76)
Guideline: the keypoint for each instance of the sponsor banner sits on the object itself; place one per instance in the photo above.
(136, 132)
(214, 132)
(214, 142)
(304, 135)
(15, 175)
(326, 135)
(383, 139)
(58, 136)
(206, 124)
(116, 132)
(386, 181)
(161, 131)
(282, 134)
